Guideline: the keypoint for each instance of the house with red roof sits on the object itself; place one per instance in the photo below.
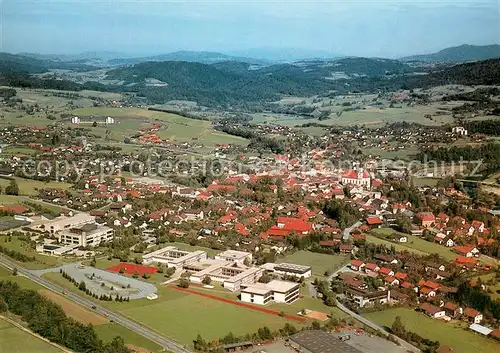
(473, 315)
(433, 311)
(374, 221)
(371, 268)
(357, 265)
(391, 281)
(426, 219)
(385, 271)
(401, 276)
(288, 225)
(241, 229)
(478, 226)
(469, 250)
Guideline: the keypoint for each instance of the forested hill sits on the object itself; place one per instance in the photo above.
(19, 63)
(460, 53)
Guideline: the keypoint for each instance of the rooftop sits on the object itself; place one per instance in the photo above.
(316, 341)
(287, 267)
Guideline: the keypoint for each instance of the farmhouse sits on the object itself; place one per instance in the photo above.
(274, 291)
(174, 257)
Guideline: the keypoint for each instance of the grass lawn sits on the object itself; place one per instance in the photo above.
(462, 341)
(41, 261)
(320, 263)
(104, 329)
(177, 129)
(30, 187)
(183, 316)
(107, 332)
(15, 340)
(399, 247)
(494, 286)
(419, 244)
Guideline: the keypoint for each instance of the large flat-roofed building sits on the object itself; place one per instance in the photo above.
(232, 275)
(317, 341)
(234, 256)
(89, 234)
(288, 269)
(274, 291)
(174, 257)
(63, 223)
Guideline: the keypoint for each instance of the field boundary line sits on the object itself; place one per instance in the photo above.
(243, 305)
(19, 326)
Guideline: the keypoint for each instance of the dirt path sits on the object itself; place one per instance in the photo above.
(12, 322)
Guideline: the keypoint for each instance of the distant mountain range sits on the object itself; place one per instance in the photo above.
(461, 53)
(203, 57)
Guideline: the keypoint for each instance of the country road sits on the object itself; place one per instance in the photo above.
(132, 325)
(409, 347)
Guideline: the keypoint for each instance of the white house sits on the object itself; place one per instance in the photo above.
(459, 130)
(75, 120)
(109, 120)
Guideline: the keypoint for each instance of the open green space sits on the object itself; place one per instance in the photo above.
(320, 263)
(15, 340)
(106, 332)
(462, 341)
(419, 244)
(183, 316)
(29, 187)
(492, 282)
(41, 261)
(399, 247)
(128, 121)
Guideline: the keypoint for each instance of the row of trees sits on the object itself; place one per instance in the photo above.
(48, 319)
(16, 255)
(426, 345)
(81, 286)
(475, 297)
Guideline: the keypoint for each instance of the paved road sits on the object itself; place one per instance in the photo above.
(132, 325)
(347, 232)
(409, 347)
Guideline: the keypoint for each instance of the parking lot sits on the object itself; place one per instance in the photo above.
(104, 282)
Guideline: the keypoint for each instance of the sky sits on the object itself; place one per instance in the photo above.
(373, 28)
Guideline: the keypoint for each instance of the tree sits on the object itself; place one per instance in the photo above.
(12, 188)
(206, 280)
(265, 278)
(93, 262)
(82, 286)
(397, 327)
(14, 271)
(184, 283)
(200, 344)
(247, 261)
(316, 325)
(94, 124)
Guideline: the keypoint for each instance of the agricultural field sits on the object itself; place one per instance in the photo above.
(178, 129)
(15, 340)
(369, 116)
(320, 263)
(462, 341)
(29, 187)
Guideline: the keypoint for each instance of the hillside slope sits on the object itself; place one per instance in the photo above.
(460, 53)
